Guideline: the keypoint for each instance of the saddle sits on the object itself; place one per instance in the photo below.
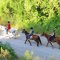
(52, 38)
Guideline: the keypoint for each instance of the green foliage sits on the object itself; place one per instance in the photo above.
(6, 52)
(28, 55)
(43, 15)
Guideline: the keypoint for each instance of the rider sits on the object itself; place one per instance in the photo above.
(52, 36)
(8, 26)
(31, 32)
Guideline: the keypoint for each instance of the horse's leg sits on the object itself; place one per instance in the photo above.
(26, 40)
(47, 43)
(37, 43)
(59, 46)
(29, 42)
(51, 44)
(39, 40)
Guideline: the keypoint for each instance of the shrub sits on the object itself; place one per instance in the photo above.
(6, 52)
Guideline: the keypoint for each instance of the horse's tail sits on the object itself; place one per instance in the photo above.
(39, 40)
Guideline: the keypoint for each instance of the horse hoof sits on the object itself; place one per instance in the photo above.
(30, 44)
(40, 44)
(46, 46)
(25, 43)
(52, 47)
(37, 45)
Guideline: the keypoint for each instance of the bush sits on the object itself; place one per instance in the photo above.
(6, 52)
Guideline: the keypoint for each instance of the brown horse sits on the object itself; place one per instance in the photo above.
(36, 38)
(56, 39)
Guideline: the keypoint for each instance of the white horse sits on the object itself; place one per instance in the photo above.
(14, 33)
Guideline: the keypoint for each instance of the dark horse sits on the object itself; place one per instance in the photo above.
(56, 39)
(36, 38)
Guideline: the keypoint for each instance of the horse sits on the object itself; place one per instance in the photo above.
(56, 39)
(36, 38)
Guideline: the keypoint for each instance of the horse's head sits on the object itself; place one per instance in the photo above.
(45, 34)
(24, 31)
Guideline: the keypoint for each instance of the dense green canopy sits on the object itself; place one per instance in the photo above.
(43, 15)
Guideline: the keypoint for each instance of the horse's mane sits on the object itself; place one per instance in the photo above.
(26, 32)
(46, 35)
